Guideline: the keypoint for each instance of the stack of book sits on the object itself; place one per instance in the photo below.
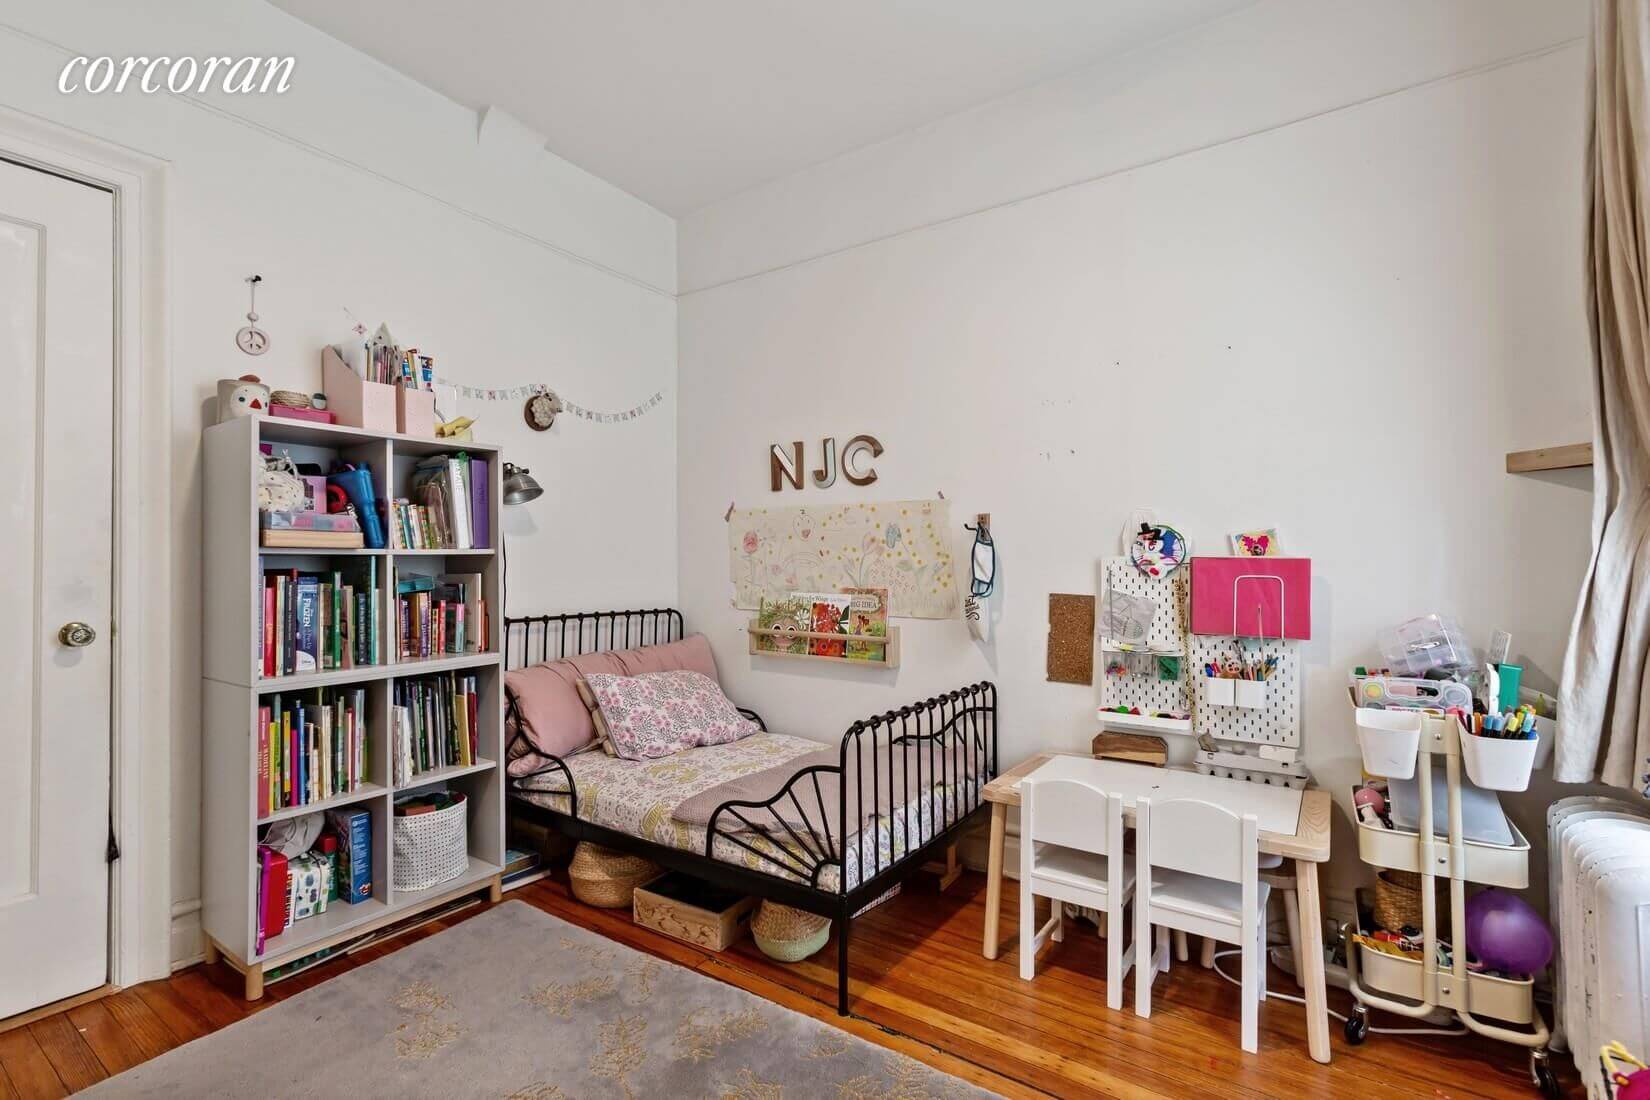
(310, 750)
(436, 616)
(312, 622)
(310, 530)
(447, 506)
(433, 724)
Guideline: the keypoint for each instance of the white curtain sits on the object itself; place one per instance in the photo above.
(1604, 702)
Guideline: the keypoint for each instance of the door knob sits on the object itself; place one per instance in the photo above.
(77, 635)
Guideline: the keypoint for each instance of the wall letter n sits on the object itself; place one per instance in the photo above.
(785, 465)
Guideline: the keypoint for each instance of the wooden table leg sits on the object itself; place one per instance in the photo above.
(1312, 981)
(994, 876)
(211, 951)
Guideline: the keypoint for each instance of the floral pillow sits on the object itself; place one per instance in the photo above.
(660, 713)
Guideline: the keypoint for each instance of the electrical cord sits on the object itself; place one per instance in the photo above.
(1462, 1030)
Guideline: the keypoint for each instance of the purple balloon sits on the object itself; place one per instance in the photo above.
(1505, 933)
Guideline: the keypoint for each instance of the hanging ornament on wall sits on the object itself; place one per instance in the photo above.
(250, 338)
(541, 409)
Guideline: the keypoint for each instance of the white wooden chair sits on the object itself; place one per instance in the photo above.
(1071, 849)
(1279, 874)
(1196, 868)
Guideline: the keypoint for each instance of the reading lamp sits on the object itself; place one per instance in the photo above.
(519, 486)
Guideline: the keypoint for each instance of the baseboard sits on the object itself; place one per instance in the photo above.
(188, 942)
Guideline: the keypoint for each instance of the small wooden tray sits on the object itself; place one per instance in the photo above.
(695, 912)
(890, 645)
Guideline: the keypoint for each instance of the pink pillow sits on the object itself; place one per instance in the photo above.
(660, 713)
(692, 653)
(554, 718)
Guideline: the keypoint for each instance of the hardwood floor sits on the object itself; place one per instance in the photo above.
(920, 986)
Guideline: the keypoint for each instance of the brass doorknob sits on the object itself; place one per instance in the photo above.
(77, 635)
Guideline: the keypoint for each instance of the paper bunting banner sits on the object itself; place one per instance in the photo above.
(577, 411)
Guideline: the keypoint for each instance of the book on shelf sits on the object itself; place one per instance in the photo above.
(354, 863)
(789, 614)
(446, 506)
(316, 622)
(439, 616)
(311, 749)
(828, 615)
(272, 895)
(434, 724)
(868, 617)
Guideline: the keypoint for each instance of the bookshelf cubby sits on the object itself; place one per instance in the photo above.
(234, 687)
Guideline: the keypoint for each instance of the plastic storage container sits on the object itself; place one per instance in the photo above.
(1250, 693)
(1388, 740)
(1427, 642)
(1219, 691)
(1498, 763)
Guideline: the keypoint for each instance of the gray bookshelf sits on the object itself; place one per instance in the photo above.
(233, 687)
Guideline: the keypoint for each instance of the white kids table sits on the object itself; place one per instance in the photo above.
(1293, 824)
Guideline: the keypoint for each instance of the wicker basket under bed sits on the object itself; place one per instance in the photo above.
(787, 934)
(605, 878)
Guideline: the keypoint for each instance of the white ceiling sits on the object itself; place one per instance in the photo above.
(684, 102)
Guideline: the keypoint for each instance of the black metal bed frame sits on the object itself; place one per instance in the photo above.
(956, 733)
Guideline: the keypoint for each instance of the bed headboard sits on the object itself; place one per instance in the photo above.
(530, 639)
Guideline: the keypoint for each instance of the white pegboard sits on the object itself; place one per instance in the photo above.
(1167, 634)
(1278, 722)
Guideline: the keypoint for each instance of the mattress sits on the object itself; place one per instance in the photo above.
(640, 797)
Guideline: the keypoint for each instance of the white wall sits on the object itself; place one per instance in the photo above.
(361, 189)
(1342, 278)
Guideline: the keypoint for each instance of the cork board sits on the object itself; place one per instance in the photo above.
(1070, 639)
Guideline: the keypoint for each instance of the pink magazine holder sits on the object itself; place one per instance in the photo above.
(1252, 597)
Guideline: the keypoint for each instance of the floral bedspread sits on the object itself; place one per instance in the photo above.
(640, 797)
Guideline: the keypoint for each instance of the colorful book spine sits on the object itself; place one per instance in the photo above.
(354, 829)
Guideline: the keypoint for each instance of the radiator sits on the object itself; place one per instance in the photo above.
(1598, 867)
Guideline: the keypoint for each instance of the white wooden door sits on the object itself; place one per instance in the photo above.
(57, 318)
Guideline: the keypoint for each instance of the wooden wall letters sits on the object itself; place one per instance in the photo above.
(785, 462)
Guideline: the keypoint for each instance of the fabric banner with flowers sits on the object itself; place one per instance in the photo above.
(901, 545)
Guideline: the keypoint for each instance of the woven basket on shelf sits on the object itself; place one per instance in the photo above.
(605, 878)
(1398, 901)
(786, 934)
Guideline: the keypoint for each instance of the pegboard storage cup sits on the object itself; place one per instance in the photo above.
(1220, 691)
(1250, 693)
(1389, 740)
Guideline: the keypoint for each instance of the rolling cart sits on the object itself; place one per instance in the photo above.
(1418, 987)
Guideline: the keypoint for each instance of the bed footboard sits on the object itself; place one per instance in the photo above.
(944, 747)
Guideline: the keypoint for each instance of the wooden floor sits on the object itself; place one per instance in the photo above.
(920, 986)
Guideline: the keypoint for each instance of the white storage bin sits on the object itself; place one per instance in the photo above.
(1498, 763)
(1389, 740)
(1250, 693)
(1507, 866)
(1486, 995)
(1219, 691)
(430, 848)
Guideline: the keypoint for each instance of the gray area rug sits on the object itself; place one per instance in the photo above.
(516, 1003)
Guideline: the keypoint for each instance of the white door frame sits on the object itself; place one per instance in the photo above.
(142, 722)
